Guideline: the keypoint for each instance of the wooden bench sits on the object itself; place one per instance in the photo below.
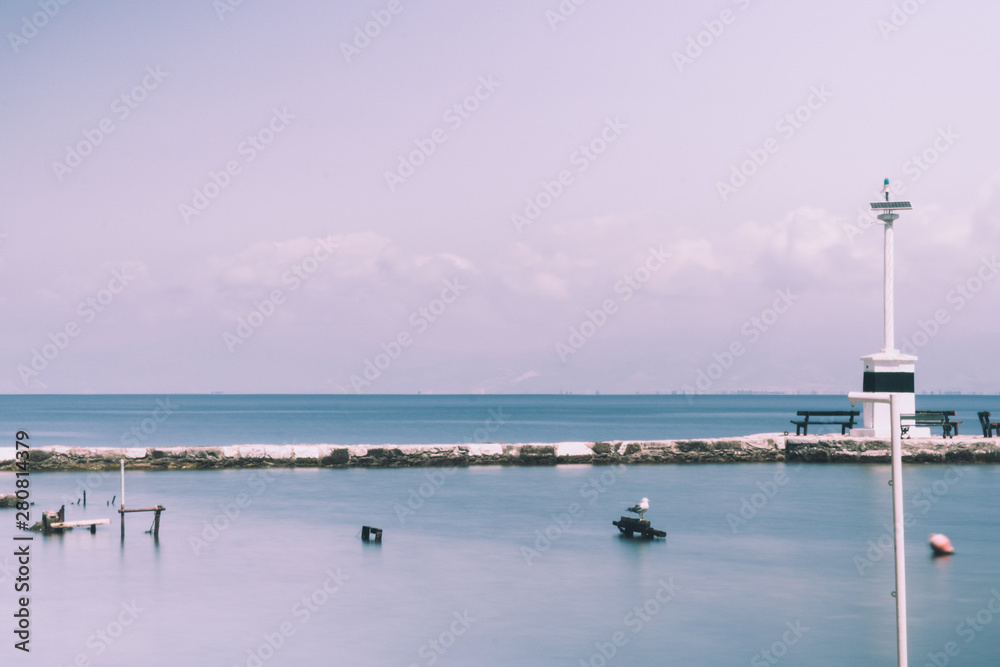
(988, 426)
(942, 418)
(802, 426)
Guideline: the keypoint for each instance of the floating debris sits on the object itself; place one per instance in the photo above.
(55, 522)
(368, 533)
(628, 526)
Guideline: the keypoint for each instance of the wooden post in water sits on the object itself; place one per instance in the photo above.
(85, 497)
(156, 523)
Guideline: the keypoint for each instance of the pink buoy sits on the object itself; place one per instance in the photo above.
(941, 544)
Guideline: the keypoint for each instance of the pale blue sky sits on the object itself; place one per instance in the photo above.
(328, 130)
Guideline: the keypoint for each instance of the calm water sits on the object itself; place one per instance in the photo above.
(496, 566)
(114, 421)
(727, 590)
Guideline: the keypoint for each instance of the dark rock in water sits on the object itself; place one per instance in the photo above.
(338, 457)
(845, 449)
(537, 455)
(8, 500)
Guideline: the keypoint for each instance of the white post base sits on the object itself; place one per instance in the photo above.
(893, 372)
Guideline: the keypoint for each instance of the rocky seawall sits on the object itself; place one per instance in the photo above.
(753, 448)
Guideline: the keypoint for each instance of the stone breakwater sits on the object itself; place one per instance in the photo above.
(746, 449)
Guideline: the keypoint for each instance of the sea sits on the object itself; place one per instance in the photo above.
(763, 564)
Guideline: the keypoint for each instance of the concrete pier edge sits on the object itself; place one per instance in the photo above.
(765, 447)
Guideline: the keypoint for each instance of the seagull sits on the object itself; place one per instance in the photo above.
(641, 508)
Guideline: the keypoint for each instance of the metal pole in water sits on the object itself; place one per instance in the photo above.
(898, 530)
(897, 511)
(122, 510)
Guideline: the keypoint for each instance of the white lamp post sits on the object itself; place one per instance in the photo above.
(888, 371)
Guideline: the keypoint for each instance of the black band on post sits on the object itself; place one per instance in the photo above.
(892, 382)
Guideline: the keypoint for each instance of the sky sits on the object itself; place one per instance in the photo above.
(493, 197)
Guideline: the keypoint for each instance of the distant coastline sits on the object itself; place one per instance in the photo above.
(758, 448)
